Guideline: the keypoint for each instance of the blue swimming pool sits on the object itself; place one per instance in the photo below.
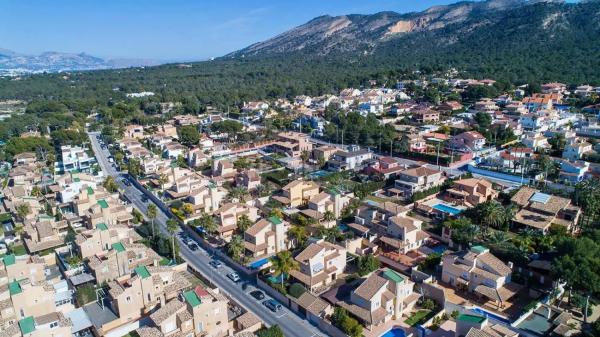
(277, 279)
(447, 209)
(394, 332)
(258, 263)
(490, 315)
(343, 227)
(319, 174)
(440, 248)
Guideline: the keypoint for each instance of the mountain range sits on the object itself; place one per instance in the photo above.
(13, 63)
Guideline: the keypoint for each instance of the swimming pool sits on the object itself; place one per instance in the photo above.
(536, 324)
(319, 174)
(394, 332)
(490, 315)
(258, 263)
(447, 209)
(440, 249)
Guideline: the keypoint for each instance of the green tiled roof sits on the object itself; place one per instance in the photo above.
(478, 249)
(275, 220)
(90, 190)
(102, 226)
(27, 325)
(470, 318)
(142, 272)
(118, 247)
(103, 203)
(393, 276)
(14, 288)
(192, 298)
(77, 179)
(9, 260)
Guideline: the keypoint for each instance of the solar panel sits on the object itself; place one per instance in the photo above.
(540, 197)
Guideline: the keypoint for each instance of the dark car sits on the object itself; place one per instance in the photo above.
(272, 305)
(193, 247)
(144, 198)
(126, 182)
(259, 295)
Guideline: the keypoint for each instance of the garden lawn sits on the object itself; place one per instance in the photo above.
(418, 317)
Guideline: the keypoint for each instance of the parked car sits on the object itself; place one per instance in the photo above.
(193, 247)
(259, 295)
(126, 182)
(216, 263)
(234, 277)
(272, 305)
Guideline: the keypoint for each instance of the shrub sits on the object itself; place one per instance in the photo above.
(296, 290)
(347, 324)
(428, 304)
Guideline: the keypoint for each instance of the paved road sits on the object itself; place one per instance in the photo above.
(291, 324)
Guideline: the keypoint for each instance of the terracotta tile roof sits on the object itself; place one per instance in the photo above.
(370, 286)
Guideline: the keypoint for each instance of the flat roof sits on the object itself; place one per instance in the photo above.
(14, 288)
(275, 220)
(98, 315)
(9, 259)
(118, 247)
(80, 320)
(192, 298)
(103, 203)
(102, 226)
(27, 325)
(142, 271)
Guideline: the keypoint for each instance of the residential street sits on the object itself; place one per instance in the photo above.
(291, 324)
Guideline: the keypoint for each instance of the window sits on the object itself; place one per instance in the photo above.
(200, 327)
(53, 325)
(128, 299)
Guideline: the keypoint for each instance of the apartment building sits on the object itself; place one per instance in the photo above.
(75, 158)
(133, 131)
(469, 141)
(122, 259)
(478, 271)
(383, 296)
(229, 214)
(332, 200)
(539, 210)
(576, 149)
(320, 264)
(349, 160)
(292, 143)
(100, 239)
(266, 237)
(201, 311)
(23, 267)
(207, 199)
(417, 179)
(248, 179)
(426, 116)
(471, 192)
(44, 233)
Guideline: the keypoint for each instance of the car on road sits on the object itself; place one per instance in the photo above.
(272, 305)
(126, 182)
(144, 198)
(216, 263)
(193, 246)
(259, 295)
(235, 277)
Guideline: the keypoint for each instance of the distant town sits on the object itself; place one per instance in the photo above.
(435, 206)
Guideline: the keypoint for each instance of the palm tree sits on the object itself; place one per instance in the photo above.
(208, 223)
(304, 156)
(238, 193)
(498, 237)
(235, 247)
(162, 180)
(283, 263)
(298, 233)
(151, 212)
(23, 210)
(491, 215)
(329, 216)
(172, 227)
(36, 192)
(243, 223)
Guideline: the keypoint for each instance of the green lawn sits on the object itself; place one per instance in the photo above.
(164, 262)
(418, 317)
(18, 250)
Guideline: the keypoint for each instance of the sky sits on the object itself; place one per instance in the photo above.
(167, 30)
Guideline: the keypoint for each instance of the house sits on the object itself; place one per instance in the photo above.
(134, 131)
(95, 206)
(223, 168)
(539, 210)
(542, 101)
(27, 298)
(323, 153)
(229, 214)
(426, 116)
(167, 130)
(573, 172)
(450, 106)
(516, 156)
(248, 179)
(267, 237)
(417, 179)
(122, 259)
(292, 143)
(154, 165)
(584, 90)
(536, 141)
(174, 150)
(187, 119)
(320, 264)
(99, 240)
(45, 233)
(480, 272)
(471, 192)
(417, 143)
(75, 158)
(384, 167)
(197, 158)
(469, 141)
(298, 192)
(553, 88)
(255, 106)
(403, 233)
(332, 201)
(23, 267)
(486, 105)
(207, 198)
(303, 100)
(576, 149)
(383, 296)
(147, 288)
(200, 311)
(533, 122)
(24, 159)
(343, 160)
